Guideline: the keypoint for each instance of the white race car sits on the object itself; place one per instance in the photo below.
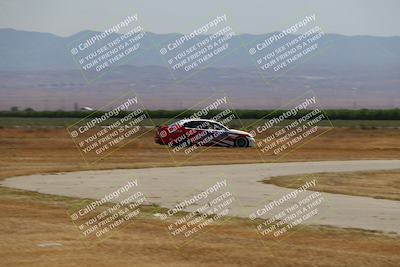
(202, 132)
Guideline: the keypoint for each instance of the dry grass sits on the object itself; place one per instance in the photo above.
(28, 151)
(30, 219)
(376, 184)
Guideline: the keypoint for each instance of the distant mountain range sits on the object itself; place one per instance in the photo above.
(37, 71)
(23, 50)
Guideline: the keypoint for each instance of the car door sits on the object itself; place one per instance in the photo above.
(210, 133)
(220, 134)
(194, 132)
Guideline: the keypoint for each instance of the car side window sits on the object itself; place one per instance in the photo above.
(205, 125)
(193, 125)
(217, 127)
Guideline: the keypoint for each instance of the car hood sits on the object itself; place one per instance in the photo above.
(239, 132)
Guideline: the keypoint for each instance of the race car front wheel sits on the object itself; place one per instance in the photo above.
(241, 142)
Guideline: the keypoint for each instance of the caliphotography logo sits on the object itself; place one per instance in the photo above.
(286, 213)
(190, 53)
(203, 209)
(97, 219)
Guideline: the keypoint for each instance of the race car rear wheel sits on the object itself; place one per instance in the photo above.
(241, 142)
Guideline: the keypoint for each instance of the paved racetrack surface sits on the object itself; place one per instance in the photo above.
(171, 185)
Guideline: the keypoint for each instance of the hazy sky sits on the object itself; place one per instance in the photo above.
(349, 17)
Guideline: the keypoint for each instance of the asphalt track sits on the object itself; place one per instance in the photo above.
(169, 186)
